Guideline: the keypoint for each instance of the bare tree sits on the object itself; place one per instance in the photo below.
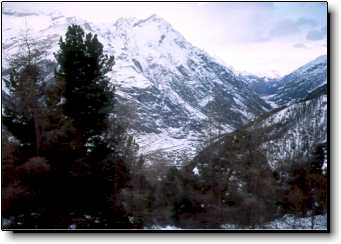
(24, 84)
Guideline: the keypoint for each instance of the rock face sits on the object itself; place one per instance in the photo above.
(301, 82)
(293, 131)
(284, 135)
(177, 90)
(292, 87)
(263, 86)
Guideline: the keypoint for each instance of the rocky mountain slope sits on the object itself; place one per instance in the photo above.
(297, 84)
(283, 135)
(177, 90)
(263, 86)
(293, 131)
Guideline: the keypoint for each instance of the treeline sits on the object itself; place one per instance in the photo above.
(231, 182)
(68, 160)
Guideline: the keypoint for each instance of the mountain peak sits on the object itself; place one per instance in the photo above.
(150, 20)
(125, 21)
(155, 17)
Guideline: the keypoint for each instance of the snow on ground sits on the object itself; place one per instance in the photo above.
(241, 108)
(318, 222)
(196, 171)
(304, 127)
(164, 141)
(171, 145)
(173, 149)
(247, 116)
(267, 99)
(238, 100)
(178, 100)
(159, 227)
(127, 77)
(307, 67)
(206, 100)
(288, 222)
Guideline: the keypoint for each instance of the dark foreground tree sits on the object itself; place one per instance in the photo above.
(97, 168)
(88, 95)
(23, 118)
(23, 111)
(75, 167)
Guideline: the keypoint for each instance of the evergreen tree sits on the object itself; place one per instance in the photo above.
(88, 94)
(98, 167)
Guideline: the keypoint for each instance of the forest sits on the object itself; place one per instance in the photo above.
(70, 162)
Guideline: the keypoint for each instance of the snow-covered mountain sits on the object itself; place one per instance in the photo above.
(301, 82)
(262, 85)
(176, 89)
(292, 132)
(284, 135)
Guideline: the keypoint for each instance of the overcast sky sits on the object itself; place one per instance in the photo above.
(259, 38)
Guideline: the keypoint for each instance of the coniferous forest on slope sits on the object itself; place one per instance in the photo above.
(69, 161)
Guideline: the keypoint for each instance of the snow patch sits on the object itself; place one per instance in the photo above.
(195, 171)
(159, 227)
(268, 99)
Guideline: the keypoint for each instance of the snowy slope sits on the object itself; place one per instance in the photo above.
(177, 89)
(299, 83)
(262, 85)
(283, 135)
(294, 130)
(292, 87)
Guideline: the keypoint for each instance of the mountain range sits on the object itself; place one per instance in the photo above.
(179, 94)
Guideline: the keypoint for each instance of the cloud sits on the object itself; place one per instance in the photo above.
(306, 22)
(316, 35)
(288, 27)
(284, 28)
(300, 45)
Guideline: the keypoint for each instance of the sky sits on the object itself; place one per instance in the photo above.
(264, 38)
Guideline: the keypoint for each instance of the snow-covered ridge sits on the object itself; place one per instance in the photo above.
(173, 85)
(297, 85)
(309, 67)
(272, 75)
(295, 130)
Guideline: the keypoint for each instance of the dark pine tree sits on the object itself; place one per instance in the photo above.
(98, 172)
(88, 94)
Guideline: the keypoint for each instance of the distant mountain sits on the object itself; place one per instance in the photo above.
(263, 86)
(177, 90)
(282, 136)
(256, 161)
(301, 82)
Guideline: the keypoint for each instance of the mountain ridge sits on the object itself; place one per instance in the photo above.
(179, 92)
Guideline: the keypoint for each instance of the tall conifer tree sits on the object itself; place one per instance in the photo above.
(88, 94)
